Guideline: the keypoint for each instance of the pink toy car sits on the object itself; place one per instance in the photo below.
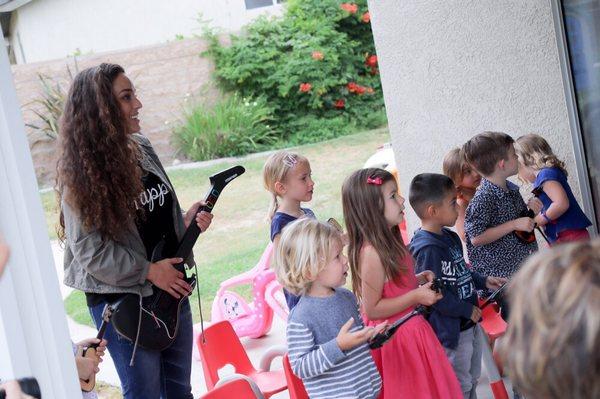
(252, 319)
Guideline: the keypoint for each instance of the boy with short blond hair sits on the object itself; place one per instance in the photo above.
(439, 249)
(496, 210)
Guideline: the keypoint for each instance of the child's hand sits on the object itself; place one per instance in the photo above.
(523, 224)
(425, 276)
(493, 283)
(347, 340)
(86, 367)
(535, 205)
(100, 349)
(426, 296)
(380, 328)
(475, 314)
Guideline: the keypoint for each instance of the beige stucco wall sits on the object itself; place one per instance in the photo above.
(168, 78)
(451, 69)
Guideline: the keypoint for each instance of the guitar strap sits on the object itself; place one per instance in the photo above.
(137, 335)
(199, 304)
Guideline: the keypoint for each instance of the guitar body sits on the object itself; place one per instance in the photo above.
(154, 324)
(159, 320)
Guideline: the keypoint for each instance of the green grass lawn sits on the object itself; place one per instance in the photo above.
(240, 230)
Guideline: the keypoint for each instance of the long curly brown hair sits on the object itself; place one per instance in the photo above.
(97, 172)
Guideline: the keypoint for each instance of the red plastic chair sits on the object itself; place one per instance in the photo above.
(494, 326)
(239, 388)
(222, 347)
(295, 384)
(492, 323)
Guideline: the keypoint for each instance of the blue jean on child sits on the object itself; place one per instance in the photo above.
(155, 374)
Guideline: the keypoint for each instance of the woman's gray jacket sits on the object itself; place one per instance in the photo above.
(94, 265)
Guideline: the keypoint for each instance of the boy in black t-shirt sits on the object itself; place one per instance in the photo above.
(436, 248)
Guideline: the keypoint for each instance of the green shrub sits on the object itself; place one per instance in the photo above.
(233, 126)
(51, 102)
(311, 129)
(315, 66)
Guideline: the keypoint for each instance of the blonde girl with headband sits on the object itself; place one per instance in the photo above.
(288, 177)
(326, 337)
(413, 364)
(561, 216)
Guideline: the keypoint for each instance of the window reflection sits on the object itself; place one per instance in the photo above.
(582, 26)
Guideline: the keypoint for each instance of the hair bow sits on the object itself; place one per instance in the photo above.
(378, 181)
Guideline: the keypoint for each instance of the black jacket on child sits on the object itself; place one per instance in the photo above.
(443, 255)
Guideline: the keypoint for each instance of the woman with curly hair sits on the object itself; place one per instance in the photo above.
(117, 203)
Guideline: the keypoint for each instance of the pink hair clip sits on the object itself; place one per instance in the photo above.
(290, 160)
(378, 181)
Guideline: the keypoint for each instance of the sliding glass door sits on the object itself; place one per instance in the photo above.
(581, 21)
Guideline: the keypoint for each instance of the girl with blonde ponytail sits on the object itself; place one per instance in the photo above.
(562, 218)
(287, 176)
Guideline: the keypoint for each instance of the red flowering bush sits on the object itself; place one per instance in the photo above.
(350, 7)
(317, 55)
(358, 89)
(305, 87)
(315, 66)
(371, 61)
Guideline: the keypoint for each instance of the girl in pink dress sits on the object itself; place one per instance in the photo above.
(413, 363)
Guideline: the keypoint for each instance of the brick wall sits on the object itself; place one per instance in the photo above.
(168, 77)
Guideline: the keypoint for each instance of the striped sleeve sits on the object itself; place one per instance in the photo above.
(307, 359)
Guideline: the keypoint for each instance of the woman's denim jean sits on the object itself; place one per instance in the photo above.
(154, 375)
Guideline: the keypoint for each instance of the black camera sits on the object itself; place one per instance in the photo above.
(29, 386)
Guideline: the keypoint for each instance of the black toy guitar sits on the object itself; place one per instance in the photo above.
(152, 322)
(381, 338)
(465, 324)
(90, 351)
(528, 237)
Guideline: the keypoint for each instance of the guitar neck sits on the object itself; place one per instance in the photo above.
(100, 334)
(219, 181)
(493, 296)
(193, 231)
(404, 319)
